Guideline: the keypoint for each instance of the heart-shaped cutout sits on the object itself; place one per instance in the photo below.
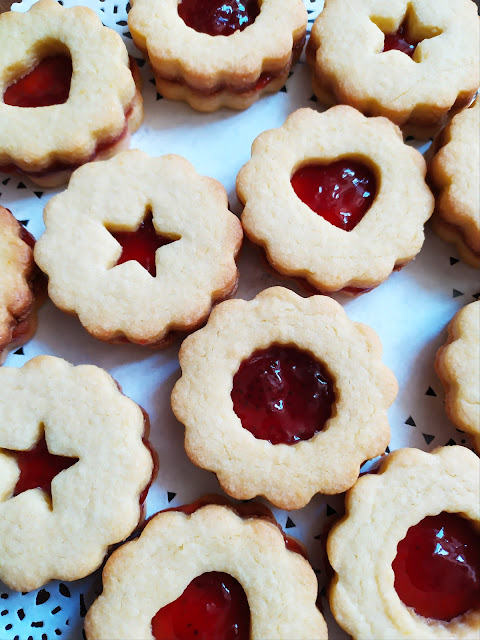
(218, 17)
(341, 192)
(46, 84)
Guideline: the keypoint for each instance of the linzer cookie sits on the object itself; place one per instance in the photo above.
(458, 367)
(454, 171)
(57, 67)
(139, 247)
(206, 572)
(413, 62)
(216, 53)
(283, 397)
(406, 555)
(19, 284)
(74, 470)
(335, 198)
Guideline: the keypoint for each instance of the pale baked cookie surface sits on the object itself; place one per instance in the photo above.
(455, 173)
(209, 71)
(300, 243)
(349, 65)
(286, 474)
(103, 101)
(95, 503)
(147, 574)
(458, 367)
(410, 486)
(80, 255)
(17, 270)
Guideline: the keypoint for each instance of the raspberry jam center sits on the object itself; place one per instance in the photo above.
(218, 17)
(141, 245)
(437, 567)
(213, 607)
(47, 84)
(282, 395)
(400, 41)
(38, 467)
(341, 192)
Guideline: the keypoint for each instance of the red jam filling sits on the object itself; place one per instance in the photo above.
(400, 41)
(38, 467)
(437, 567)
(47, 84)
(341, 192)
(141, 245)
(282, 395)
(218, 17)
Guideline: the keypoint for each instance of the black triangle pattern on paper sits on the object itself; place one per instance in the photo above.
(410, 421)
(152, 80)
(6, 181)
(456, 293)
(428, 437)
(39, 194)
(24, 222)
(170, 495)
(283, 89)
(454, 261)
(330, 510)
(430, 392)
(319, 537)
(159, 97)
(313, 98)
(19, 352)
(450, 443)
(290, 523)
(387, 450)
(140, 62)
(476, 296)
(20, 185)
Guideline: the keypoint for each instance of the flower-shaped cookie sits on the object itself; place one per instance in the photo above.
(18, 276)
(407, 552)
(409, 60)
(156, 584)
(103, 251)
(292, 405)
(458, 367)
(213, 53)
(73, 468)
(59, 66)
(455, 175)
(335, 198)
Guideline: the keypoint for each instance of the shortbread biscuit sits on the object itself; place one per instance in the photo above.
(144, 576)
(102, 101)
(81, 414)
(20, 290)
(458, 367)
(317, 331)
(410, 487)
(302, 243)
(212, 71)
(350, 66)
(117, 300)
(455, 174)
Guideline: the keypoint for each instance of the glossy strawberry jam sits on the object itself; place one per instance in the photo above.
(47, 84)
(341, 192)
(282, 395)
(400, 41)
(218, 17)
(38, 467)
(437, 567)
(141, 245)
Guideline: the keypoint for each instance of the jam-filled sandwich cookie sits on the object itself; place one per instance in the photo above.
(19, 284)
(217, 53)
(411, 61)
(139, 247)
(57, 67)
(407, 552)
(283, 397)
(458, 367)
(74, 470)
(210, 574)
(456, 178)
(335, 198)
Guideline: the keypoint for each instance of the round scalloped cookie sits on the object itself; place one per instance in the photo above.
(458, 367)
(410, 486)
(147, 574)
(210, 71)
(286, 474)
(455, 175)
(103, 100)
(300, 243)
(349, 65)
(118, 302)
(96, 502)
